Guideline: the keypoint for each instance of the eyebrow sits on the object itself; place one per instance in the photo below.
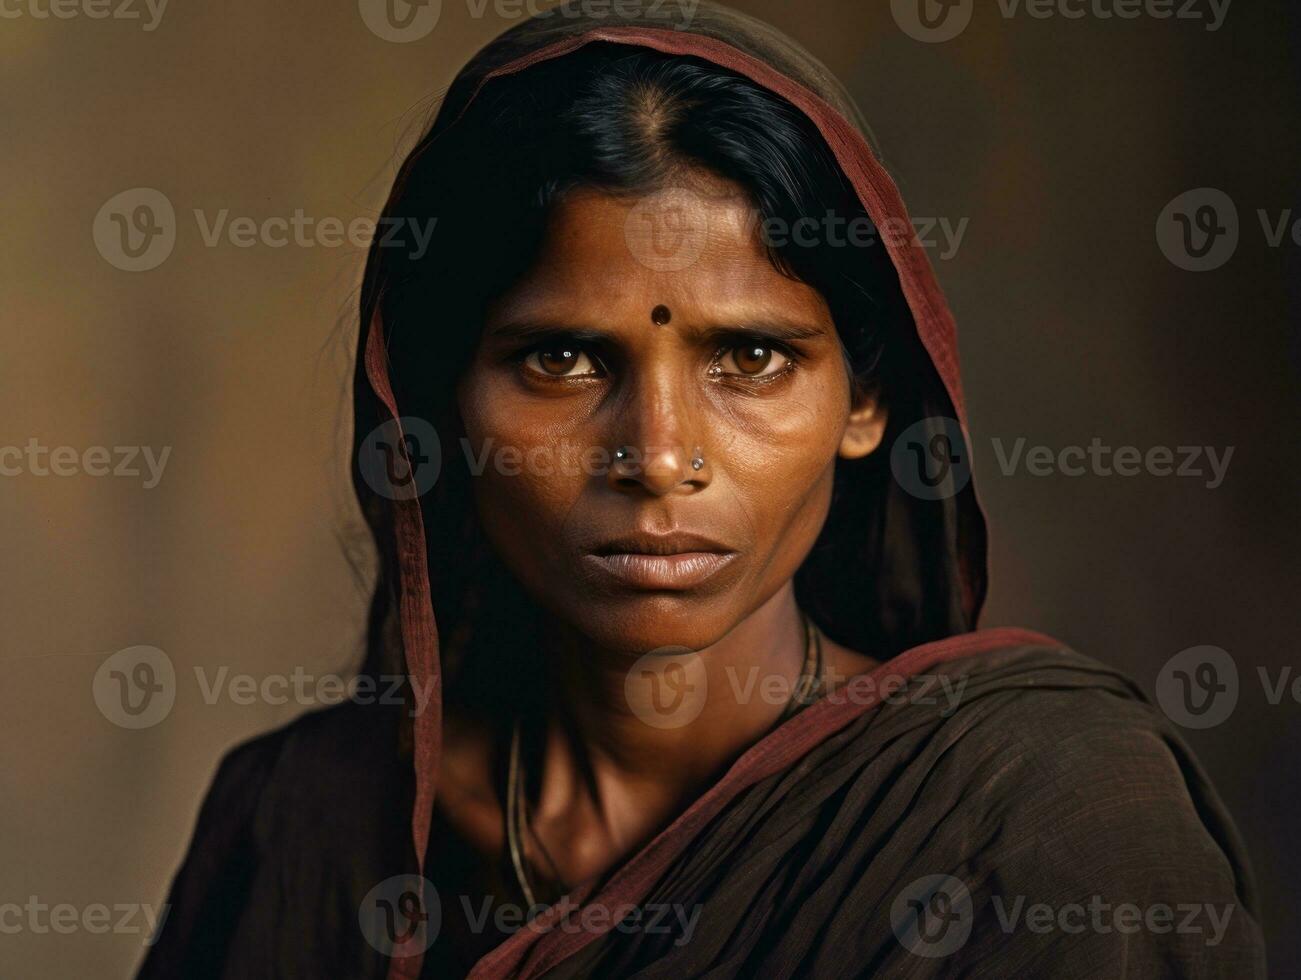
(767, 326)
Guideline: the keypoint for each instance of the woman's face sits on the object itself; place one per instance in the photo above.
(657, 324)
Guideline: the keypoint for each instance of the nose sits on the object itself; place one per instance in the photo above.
(661, 439)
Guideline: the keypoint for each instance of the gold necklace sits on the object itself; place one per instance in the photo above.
(514, 834)
(807, 687)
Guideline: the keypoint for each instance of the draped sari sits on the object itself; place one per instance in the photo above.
(986, 802)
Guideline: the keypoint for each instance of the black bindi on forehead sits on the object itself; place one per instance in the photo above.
(661, 315)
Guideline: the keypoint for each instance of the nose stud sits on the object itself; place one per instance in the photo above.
(661, 315)
(697, 460)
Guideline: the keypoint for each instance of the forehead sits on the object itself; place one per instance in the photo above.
(696, 249)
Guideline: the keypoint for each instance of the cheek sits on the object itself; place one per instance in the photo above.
(525, 475)
(781, 462)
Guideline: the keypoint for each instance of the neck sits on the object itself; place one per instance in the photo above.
(619, 748)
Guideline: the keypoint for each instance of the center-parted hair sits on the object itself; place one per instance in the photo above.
(632, 121)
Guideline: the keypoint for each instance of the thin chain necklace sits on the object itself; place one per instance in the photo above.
(807, 688)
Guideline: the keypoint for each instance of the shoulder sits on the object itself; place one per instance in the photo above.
(1087, 762)
(1066, 738)
(1081, 794)
(312, 806)
(321, 767)
(320, 752)
(1055, 758)
(1061, 812)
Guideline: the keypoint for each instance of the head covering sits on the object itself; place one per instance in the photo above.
(946, 533)
(1033, 773)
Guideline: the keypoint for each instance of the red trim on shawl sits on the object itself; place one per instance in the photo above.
(419, 632)
(876, 189)
(935, 327)
(530, 952)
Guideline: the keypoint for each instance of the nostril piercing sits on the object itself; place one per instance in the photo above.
(661, 315)
(697, 461)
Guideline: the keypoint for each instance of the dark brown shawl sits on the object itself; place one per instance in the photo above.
(1007, 769)
(1052, 782)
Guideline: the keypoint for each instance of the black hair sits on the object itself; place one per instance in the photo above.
(628, 121)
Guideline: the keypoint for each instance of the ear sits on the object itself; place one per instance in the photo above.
(866, 428)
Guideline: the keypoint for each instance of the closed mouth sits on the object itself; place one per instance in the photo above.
(672, 562)
(674, 543)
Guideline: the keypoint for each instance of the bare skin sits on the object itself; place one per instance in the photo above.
(746, 371)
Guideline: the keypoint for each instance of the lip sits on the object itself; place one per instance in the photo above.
(674, 561)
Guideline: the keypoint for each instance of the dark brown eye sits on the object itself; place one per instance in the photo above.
(561, 361)
(753, 361)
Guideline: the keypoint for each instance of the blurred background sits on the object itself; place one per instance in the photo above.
(1060, 151)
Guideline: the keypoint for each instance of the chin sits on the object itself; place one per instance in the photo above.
(648, 622)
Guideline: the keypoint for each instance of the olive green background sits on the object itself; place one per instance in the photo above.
(1061, 141)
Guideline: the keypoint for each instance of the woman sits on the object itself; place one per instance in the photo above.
(660, 442)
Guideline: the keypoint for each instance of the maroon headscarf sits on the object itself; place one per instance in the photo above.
(1048, 778)
(769, 58)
